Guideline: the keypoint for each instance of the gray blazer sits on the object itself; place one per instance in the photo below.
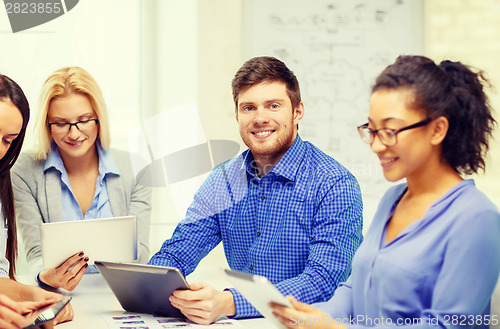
(38, 200)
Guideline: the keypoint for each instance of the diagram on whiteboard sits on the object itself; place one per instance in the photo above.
(336, 48)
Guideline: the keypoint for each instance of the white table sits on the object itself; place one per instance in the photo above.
(93, 298)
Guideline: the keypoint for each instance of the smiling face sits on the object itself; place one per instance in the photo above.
(415, 148)
(267, 121)
(11, 122)
(74, 143)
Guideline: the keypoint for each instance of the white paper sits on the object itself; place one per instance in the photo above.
(126, 320)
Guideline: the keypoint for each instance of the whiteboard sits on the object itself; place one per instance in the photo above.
(337, 48)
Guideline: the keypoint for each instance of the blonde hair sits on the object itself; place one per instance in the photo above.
(63, 82)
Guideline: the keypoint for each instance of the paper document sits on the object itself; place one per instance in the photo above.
(127, 320)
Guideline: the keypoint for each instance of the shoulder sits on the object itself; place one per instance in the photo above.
(133, 175)
(27, 172)
(471, 221)
(226, 182)
(118, 154)
(469, 194)
(26, 164)
(324, 168)
(228, 170)
(123, 160)
(231, 165)
(471, 206)
(120, 157)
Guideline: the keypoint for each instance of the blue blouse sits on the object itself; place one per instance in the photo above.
(440, 271)
(100, 207)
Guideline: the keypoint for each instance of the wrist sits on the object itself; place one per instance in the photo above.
(228, 302)
(43, 282)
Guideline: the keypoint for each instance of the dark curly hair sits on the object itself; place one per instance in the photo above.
(452, 90)
(10, 91)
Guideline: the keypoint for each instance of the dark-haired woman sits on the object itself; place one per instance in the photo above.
(15, 298)
(431, 257)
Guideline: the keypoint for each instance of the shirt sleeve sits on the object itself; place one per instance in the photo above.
(336, 235)
(243, 308)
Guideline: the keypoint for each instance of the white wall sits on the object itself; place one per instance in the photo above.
(102, 37)
(469, 30)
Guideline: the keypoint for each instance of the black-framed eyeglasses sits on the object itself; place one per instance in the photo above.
(387, 136)
(63, 127)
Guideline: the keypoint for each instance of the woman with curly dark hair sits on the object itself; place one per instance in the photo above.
(431, 257)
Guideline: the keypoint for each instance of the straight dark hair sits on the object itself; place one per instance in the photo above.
(10, 91)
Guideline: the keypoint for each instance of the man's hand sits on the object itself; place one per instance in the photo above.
(203, 304)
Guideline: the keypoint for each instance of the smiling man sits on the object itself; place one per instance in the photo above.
(283, 208)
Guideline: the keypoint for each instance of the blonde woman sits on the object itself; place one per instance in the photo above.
(73, 175)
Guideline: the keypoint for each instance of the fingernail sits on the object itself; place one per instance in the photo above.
(80, 254)
(86, 265)
(86, 259)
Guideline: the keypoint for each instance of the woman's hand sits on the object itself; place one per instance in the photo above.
(68, 274)
(302, 316)
(43, 298)
(65, 315)
(17, 314)
(11, 313)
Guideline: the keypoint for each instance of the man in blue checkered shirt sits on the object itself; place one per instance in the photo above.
(283, 209)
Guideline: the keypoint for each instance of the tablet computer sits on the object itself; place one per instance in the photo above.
(110, 239)
(143, 288)
(259, 291)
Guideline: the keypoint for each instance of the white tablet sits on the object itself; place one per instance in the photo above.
(109, 239)
(259, 291)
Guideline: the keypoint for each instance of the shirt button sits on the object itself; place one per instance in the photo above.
(258, 233)
(262, 197)
(251, 268)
